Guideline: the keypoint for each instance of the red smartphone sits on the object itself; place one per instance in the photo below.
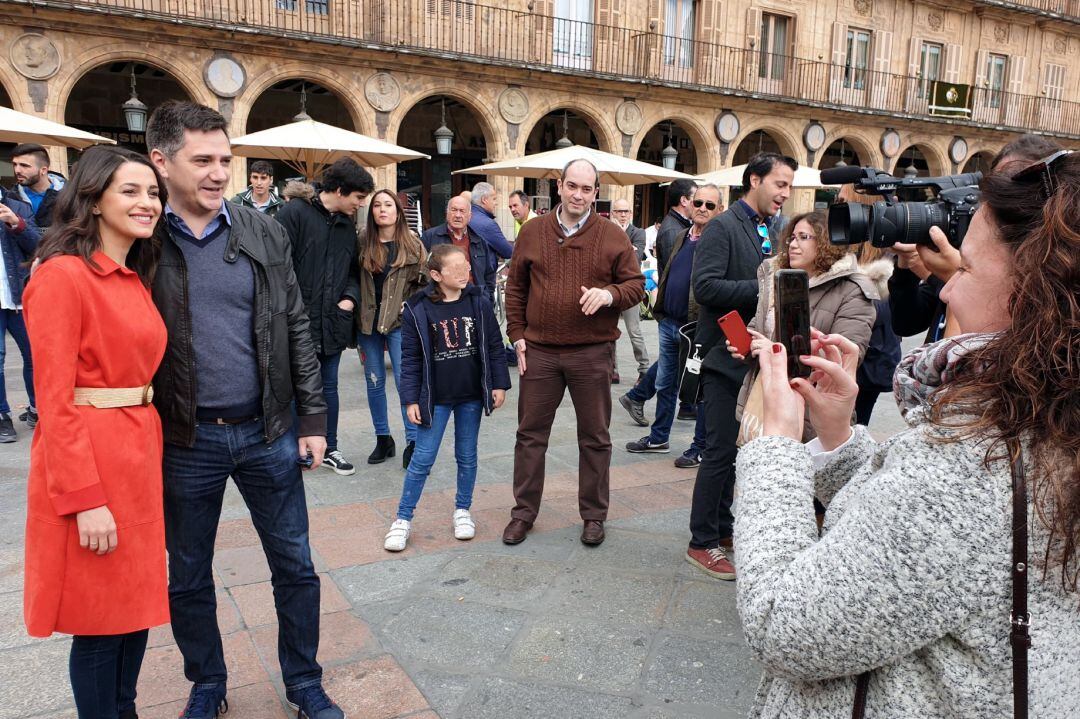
(734, 329)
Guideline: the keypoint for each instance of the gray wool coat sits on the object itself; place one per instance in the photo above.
(910, 580)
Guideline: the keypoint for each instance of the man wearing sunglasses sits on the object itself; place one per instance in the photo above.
(675, 307)
(724, 279)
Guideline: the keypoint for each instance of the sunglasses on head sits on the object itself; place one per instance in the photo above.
(707, 203)
(1042, 170)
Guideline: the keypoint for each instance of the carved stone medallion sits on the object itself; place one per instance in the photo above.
(1061, 45)
(1001, 32)
(513, 105)
(629, 118)
(382, 92)
(224, 76)
(864, 7)
(935, 20)
(34, 56)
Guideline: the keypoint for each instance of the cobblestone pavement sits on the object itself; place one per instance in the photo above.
(477, 630)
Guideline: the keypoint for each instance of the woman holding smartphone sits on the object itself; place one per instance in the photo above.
(95, 532)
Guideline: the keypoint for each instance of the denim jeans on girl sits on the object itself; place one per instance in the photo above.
(466, 430)
(104, 671)
(371, 352)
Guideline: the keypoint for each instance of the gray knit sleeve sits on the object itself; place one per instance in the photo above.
(913, 557)
(831, 478)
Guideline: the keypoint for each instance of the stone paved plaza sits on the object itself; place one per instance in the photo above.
(549, 629)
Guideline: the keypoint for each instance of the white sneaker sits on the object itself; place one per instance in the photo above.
(464, 527)
(398, 536)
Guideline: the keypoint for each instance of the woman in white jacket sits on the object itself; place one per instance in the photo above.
(910, 582)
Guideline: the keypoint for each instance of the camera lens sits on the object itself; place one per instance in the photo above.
(909, 222)
(849, 223)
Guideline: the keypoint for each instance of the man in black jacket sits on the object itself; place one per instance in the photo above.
(456, 231)
(323, 236)
(725, 279)
(679, 195)
(239, 356)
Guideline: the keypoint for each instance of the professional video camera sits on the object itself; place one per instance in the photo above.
(888, 221)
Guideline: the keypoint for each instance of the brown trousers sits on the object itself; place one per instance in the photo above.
(586, 372)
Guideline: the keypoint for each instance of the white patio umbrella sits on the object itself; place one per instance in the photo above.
(614, 169)
(18, 127)
(308, 145)
(732, 177)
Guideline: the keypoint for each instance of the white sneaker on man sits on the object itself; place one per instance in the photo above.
(398, 536)
(464, 527)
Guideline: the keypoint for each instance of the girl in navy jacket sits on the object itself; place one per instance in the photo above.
(452, 363)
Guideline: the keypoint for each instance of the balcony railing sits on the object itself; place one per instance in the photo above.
(458, 29)
(1065, 10)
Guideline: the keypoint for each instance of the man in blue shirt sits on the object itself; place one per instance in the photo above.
(482, 222)
(36, 186)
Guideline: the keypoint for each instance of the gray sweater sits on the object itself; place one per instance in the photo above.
(911, 580)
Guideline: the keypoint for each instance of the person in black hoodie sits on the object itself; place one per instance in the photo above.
(452, 363)
(319, 222)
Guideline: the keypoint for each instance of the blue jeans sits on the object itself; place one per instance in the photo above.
(12, 321)
(644, 390)
(104, 671)
(667, 382)
(328, 365)
(371, 354)
(269, 481)
(466, 431)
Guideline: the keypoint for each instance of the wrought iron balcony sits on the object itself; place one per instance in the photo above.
(470, 32)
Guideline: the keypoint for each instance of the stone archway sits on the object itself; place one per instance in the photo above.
(649, 200)
(978, 162)
(583, 118)
(763, 137)
(430, 183)
(918, 160)
(547, 133)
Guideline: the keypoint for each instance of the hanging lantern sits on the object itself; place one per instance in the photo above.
(302, 115)
(669, 155)
(134, 109)
(444, 136)
(564, 141)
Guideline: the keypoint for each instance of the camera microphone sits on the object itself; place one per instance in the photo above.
(842, 175)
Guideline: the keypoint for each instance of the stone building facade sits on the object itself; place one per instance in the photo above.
(824, 81)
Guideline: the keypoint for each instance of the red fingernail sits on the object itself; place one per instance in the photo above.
(776, 349)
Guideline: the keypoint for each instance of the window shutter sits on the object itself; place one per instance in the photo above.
(914, 56)
(753, 28)
(881, 66)
(839, 41)
(953, 61)
(706, 13)
(1054, 81)
(982, 57)
(1017, 110)
(1017, 66)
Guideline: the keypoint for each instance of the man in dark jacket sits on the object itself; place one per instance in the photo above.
(260, 194)
(724, 279)
(323, 237)
(482, 222)
(679, 195)
(457, 232)
(18, 241)
(239, 357)
(36, 185)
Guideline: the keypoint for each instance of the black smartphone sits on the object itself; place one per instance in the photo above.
(792, 292)
(305, 461)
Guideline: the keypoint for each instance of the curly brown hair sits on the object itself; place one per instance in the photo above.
(1024, 384)
(827, 253)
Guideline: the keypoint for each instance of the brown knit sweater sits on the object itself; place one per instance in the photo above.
(543, 291)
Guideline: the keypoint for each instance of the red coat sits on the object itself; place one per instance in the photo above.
(93, 328)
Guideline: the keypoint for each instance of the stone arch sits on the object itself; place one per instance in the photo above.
(481, 110)
(587, 110)
(7, 83)
(95, 57)
(699, 136)
(789, 144)
(936, 161)
(342, 85)
(867, 151)
(978, 161)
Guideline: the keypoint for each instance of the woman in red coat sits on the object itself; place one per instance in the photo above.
(95, 538)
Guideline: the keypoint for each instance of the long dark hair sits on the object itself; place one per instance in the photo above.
(74, 230)
(1024, 384)
(372, 251)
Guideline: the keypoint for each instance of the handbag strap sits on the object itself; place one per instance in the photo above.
(1020, 618)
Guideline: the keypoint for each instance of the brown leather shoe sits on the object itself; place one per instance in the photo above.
(515, 531)
(592, 533)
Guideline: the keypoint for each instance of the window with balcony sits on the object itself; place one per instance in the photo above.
(774, 46)
(312, 7)
(995, 79)
(856, 58)
(929, 68)
(679, 33)
(573, 32)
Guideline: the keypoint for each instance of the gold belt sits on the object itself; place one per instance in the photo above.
(109, 397)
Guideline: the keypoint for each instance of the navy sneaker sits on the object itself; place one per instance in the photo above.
(644, 445)
(312, 703)
(206, 701)
(689, 459)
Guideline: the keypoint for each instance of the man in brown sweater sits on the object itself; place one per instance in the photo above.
(572, 275)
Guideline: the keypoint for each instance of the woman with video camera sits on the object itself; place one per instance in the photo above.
(919, 599)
